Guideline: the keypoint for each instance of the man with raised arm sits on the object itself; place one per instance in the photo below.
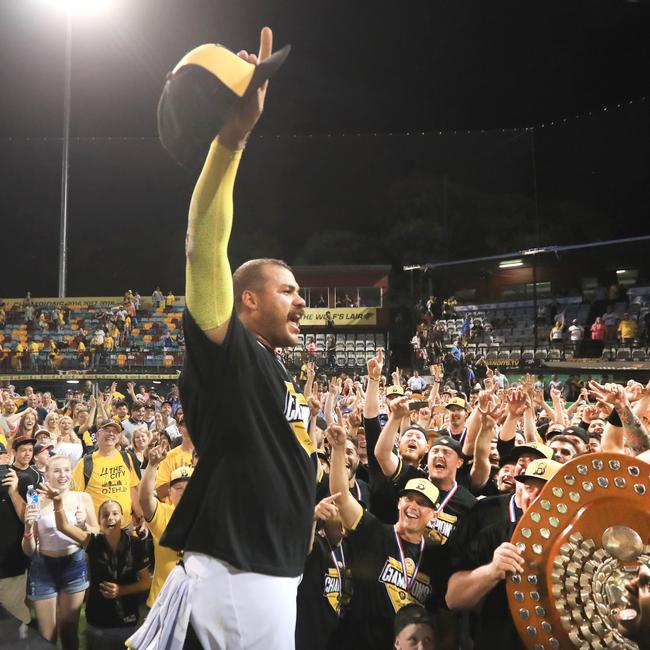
(391, 566)
(245, 520)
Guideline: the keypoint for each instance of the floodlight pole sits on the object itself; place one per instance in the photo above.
(65, 163)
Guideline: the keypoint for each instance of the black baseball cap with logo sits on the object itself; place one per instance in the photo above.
(201, 93)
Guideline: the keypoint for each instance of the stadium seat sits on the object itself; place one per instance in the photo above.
(528, 355)
(541, 354)
(623, 354)
(554, 354)
(638, 354)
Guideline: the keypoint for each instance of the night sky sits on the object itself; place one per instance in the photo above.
(322, 164)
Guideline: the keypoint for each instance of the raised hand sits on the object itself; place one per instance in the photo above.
(49, 492)
(395, 375)
(236, 130)
(314, 406)
(310, 370)
(399, 408)
(613, 394)
(157, 454)
(375, 365)
(336, 435)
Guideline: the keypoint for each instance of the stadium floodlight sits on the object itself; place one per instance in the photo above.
(510, 264)
(71, 7)
(621, 271)
(75, 6)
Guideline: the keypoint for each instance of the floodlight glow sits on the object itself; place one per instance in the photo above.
(510, 264)
(621, 271)
(76, 6)
(71, 381)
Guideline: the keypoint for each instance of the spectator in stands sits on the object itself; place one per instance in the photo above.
(598, 330)
(610, 320)
(140, 446)
(627, 330)
(415, 383)
(576, 331)
(556, 335)
(157, 298)
(170, 299)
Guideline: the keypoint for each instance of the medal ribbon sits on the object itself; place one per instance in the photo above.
(407, 582)
(512, 510)
(447, 499)
(336, 566)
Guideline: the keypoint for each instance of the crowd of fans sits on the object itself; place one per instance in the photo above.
(42, 336)
(395, 450)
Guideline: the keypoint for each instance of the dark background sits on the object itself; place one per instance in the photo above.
(366, 130)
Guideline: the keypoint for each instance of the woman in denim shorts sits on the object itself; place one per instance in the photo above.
(58, 572)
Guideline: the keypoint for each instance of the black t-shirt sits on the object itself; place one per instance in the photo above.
(318, 606)
(383, 494)
(379, 584)
(472, 545)
(360, 491)
(27, 477)
(251, 498)
(13, 562)
(461, 502)
(121, 568)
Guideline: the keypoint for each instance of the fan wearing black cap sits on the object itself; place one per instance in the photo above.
(244, 523)
(482, 556)
(444, 459)
(391, 565)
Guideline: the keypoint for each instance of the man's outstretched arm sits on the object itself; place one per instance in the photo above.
(208, 284)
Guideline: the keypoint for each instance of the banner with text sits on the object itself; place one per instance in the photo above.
(343, 316)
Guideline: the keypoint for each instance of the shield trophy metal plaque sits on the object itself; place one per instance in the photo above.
(580, 553)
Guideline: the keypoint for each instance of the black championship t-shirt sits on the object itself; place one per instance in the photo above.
(383, 494)
(379, 586)
(251, 499)
(472, 545)
(319, 605)
(459, 503)
(122, 568)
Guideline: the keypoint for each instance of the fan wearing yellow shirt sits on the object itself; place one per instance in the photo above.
(158, 514)
(180, 456)
(108, 473)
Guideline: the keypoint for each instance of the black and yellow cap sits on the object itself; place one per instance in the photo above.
(201, 93)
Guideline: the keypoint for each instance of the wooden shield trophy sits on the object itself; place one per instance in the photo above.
(583, 540)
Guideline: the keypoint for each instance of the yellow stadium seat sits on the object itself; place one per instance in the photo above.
(121, 359)
(147, 338)
(135, 331)
(147, 326)
(169, 360)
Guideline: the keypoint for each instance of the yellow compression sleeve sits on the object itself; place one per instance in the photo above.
(208, 280)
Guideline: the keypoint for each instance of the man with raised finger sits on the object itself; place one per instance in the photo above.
(245, 520)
